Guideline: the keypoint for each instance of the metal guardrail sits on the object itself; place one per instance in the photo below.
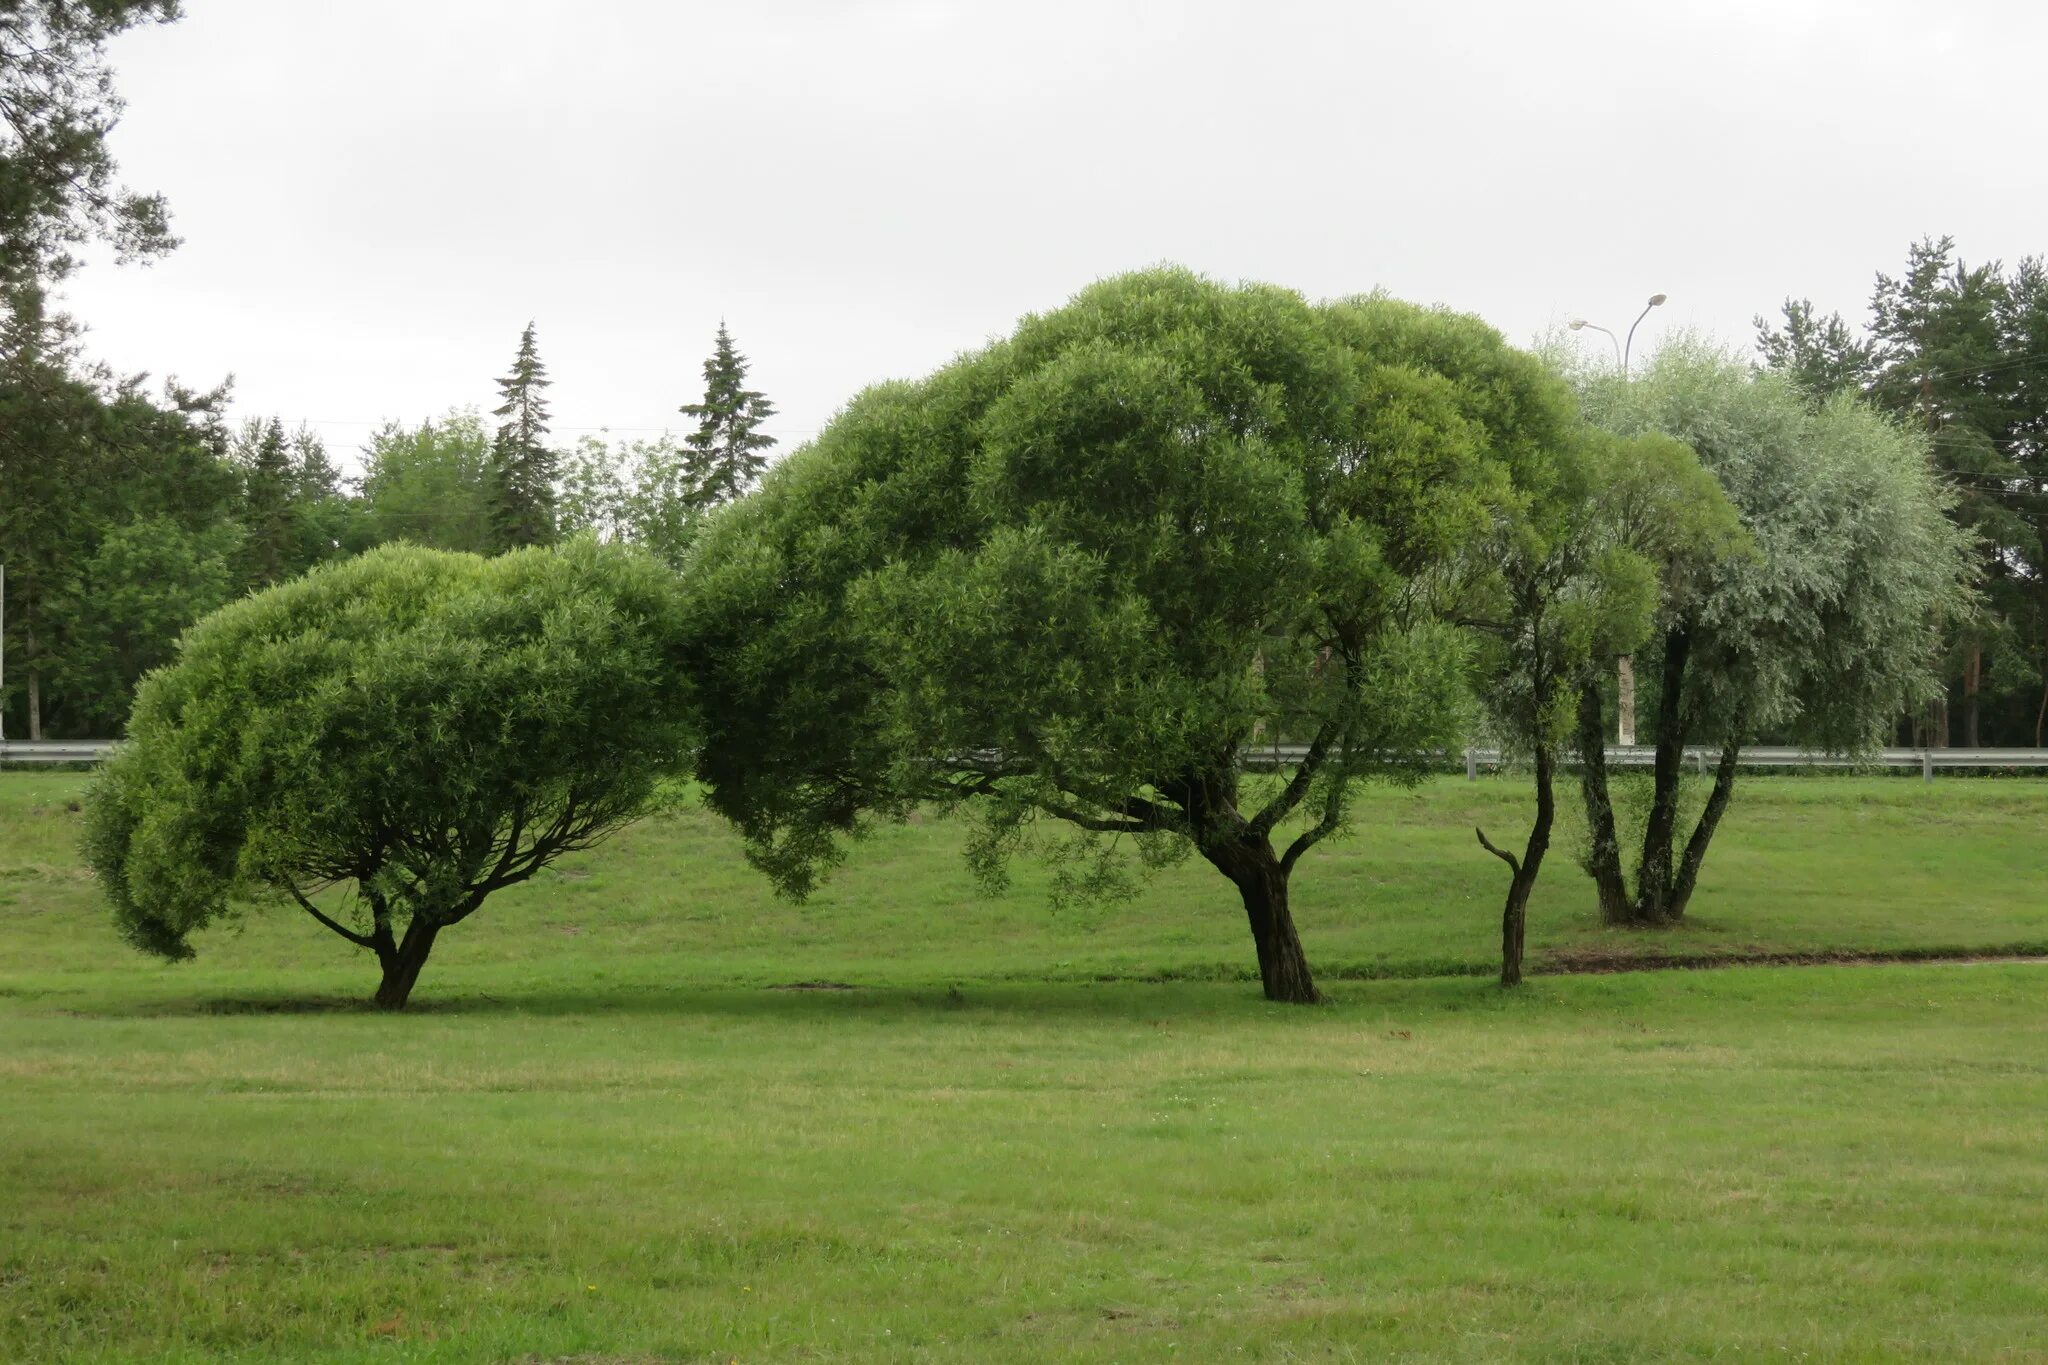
(54, 750)
(1702, 758)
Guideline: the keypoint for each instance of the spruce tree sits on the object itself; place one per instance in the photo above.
(266, 502)
(725, 455)
(314, 473)
(523, 469)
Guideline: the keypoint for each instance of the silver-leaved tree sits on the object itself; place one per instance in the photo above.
(1822, 634)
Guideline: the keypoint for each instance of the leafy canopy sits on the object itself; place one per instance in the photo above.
(1075, 572)
(1834, 624)
(1621, 528)
(418, 727)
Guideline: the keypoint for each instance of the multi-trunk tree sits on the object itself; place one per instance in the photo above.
(1822, 633)
(1067, 579)
(385, 742)
(1607, 531)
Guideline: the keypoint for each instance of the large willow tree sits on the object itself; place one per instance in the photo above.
(1067, 579)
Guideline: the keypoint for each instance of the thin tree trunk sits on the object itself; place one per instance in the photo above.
(35, 701)
(1514, 916)
(1625, 700)
(1703, 832)
(402, 962)
(1936, 736)
(1973, 671)
(2041, 714)
(1654, 872)
(1603, 857)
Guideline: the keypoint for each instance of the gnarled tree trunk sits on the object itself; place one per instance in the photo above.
(1261, 883)
(402, 961)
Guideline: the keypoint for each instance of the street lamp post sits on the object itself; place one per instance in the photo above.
(1625, 666)
(1655, 301)
(1581, 323)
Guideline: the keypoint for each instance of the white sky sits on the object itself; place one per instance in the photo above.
(377, 196)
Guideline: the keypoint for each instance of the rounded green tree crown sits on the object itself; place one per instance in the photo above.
(1108, 551)
(424, 725)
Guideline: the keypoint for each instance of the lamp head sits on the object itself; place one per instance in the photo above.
(1577, 323)
(1656, 299)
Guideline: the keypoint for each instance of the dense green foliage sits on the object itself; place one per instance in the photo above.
(1070, 576)
(415, 728)
(1960, 353)
(430, 484)
(117, 528)
(1823, 634)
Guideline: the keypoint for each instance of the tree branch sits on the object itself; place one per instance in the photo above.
(1514, 865)
(1290, 796)
(360, 940)
(1333, 811)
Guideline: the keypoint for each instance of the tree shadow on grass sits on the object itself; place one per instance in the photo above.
(1128, 1001)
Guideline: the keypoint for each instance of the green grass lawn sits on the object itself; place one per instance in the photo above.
(599, 1139)
(1812, 865)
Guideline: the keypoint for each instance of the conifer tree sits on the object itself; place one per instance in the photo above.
(314, 473)
(57, 186)
(523, 469)
(266, 502)
(725, 455)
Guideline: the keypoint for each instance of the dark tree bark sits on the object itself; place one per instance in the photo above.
(1603, 857)
(1973, 672)
(1514, 917)
(1656, 878)
(1261, 881)
(1703, 832)
(402, 962)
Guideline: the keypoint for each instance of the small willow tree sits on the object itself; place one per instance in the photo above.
(1066, 581)
(385, 742)
(1823, 633)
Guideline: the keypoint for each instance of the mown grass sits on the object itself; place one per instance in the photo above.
(1802, 865)
(599, 1138)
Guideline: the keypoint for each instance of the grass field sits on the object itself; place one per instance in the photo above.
(599, 1139)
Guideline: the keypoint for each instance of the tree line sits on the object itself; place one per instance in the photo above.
(129, 515)
(1959, 353)
(1058, 587)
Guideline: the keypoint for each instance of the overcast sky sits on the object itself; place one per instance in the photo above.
(376, 196)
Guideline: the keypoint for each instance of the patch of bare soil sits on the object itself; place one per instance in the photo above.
(1576, 961)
